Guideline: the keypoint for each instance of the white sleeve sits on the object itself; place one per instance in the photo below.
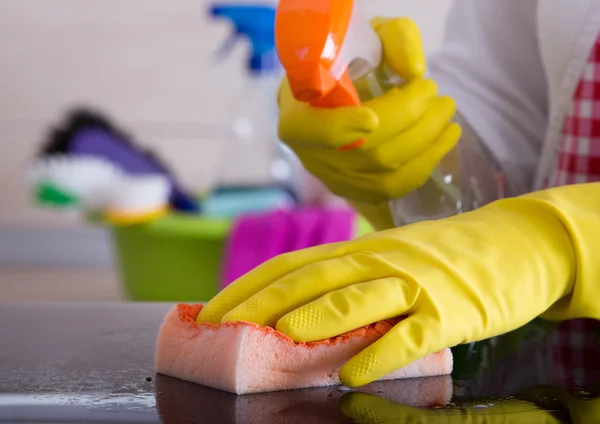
(490, 64)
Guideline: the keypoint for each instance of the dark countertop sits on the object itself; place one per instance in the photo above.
(94, 363)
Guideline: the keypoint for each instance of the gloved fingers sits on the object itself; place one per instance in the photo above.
(365, 408)
(306, 285)
(395, 152)
(398, 109)
(338, 175)
(338, 164)
(246, 286)
(331, 128)
(424, 164)
(346, 183)
(377, 120)
(417, 138)
(364, 179)
(321, 157)
(347, 309)
(373, 188)
(408, 341)
(402, 46)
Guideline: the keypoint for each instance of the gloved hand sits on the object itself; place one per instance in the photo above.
(457, 280)
(364, 408)
(407, 131)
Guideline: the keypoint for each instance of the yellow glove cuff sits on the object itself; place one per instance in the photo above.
(578, 209)
(379, 216)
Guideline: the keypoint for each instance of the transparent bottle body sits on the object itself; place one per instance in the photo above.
(254, 154)
(464, 179)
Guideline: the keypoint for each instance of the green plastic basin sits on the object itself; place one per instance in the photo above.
(176, 258)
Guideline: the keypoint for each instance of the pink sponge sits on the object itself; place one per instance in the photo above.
(246, 358)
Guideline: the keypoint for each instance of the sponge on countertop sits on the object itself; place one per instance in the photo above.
(246, 358)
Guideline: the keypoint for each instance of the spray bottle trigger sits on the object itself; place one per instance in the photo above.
(344, 94)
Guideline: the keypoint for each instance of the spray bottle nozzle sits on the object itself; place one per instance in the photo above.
(257, 22)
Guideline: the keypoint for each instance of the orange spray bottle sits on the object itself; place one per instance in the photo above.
(333, 57)
(326, 47)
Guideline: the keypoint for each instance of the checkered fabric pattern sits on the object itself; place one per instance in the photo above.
(579, 155)
(576, 345)
(575, 352)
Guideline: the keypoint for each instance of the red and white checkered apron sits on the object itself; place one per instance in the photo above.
(576, 346)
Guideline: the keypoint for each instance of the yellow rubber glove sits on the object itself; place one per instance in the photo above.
(407, 131)
(458, 280)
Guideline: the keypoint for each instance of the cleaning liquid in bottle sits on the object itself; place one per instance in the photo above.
(255, 111)
(339, 62)
(448, 191)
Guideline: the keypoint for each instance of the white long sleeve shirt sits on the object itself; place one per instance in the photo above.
(512, 67)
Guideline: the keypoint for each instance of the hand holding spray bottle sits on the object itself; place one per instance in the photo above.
(333, 57)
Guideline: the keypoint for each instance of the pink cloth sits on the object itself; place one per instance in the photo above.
(256, 238)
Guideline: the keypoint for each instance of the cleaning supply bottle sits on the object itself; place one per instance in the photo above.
(254, 110)
(333, 57)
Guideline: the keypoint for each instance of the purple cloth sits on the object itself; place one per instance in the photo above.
(256, 238)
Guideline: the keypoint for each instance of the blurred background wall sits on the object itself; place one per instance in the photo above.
(149, 64)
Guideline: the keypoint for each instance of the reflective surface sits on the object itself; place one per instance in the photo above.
(94, 363)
